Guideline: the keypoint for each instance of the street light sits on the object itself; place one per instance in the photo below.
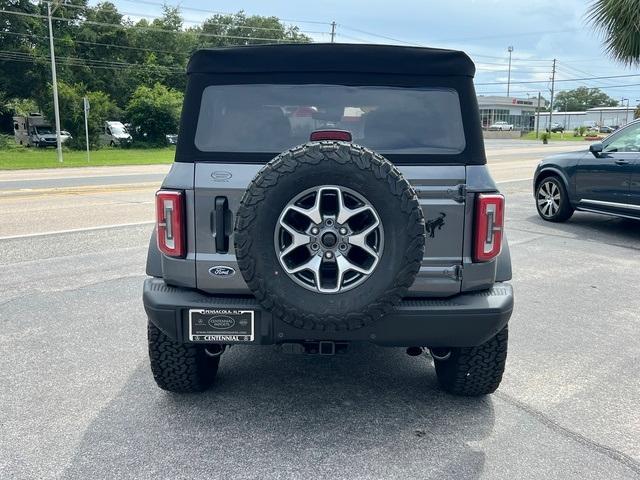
(509, 49)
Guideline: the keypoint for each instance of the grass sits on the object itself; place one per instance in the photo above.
(15, 158)
(556, 136)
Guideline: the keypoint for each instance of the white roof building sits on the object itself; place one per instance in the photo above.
(593, 117)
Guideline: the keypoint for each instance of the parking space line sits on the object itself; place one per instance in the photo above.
(513, 180)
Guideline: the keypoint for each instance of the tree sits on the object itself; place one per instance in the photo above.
(70, 97)
(581, 99)
(619, 23)
(102, 50)
(154, 112)
(19, 106)
(239, 29)
(636, 113)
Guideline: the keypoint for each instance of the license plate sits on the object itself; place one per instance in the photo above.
(221, 325)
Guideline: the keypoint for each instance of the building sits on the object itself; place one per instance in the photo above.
(519, 112)
(593, 117)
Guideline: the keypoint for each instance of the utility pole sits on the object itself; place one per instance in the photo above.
(553, 84)
(626, 112)
(54, 81)
(333, 32)
(538, 115)
(509, 49)
(622, 99)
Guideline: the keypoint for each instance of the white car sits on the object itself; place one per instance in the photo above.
(501, 126)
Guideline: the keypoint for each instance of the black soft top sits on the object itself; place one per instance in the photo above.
(332, 57)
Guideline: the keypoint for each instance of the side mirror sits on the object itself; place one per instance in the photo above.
(596, 148)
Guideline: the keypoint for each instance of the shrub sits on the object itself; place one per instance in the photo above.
(6, 141)
(154, 112)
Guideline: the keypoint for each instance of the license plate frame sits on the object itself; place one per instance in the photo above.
(221, 325)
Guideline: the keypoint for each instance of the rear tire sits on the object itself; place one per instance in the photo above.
(474, 371)
(179, 367)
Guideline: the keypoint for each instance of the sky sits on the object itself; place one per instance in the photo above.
(538, 30)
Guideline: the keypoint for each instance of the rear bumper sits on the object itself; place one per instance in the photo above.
(461, 321)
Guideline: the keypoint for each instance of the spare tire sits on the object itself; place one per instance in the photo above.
(329, 236)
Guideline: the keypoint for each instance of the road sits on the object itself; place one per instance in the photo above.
(78, 401)
(78, 198)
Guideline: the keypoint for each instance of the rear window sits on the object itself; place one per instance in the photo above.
(271, 118)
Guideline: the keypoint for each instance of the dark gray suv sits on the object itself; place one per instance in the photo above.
(325, 194)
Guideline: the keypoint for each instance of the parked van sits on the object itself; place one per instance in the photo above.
(115, 133)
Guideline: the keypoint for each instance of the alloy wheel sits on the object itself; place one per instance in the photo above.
(329, 239)
(548, 199)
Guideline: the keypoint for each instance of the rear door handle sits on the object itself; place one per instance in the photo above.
(221, 218)
(621, 161)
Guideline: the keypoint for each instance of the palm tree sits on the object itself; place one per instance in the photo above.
(619, 23)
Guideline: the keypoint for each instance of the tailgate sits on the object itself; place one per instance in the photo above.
(219, 188)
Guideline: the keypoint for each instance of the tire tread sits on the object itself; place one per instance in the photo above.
(179, 367)
(474, 371)
(340, 153)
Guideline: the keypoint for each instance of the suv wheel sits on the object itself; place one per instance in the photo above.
(179, 367)
(474, 371)
(552, 201)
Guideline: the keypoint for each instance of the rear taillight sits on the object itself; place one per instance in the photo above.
(489, 222)
(170, 222)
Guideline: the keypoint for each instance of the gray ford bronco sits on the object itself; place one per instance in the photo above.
(325, 194)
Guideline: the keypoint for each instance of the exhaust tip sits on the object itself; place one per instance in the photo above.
(440, 354)
(415, 351)
(215, 350)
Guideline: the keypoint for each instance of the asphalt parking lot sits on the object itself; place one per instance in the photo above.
(77, 399)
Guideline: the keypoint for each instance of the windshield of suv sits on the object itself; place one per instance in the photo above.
(272, 118)
(118, 129)
(44, 130)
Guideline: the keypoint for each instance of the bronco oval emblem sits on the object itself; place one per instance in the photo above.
(222, 271)
(221, 176)
(221, 322)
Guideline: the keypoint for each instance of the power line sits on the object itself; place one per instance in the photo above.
(564, 79)
(618, 86)
(83, 42)
(81, 62)
(204, 10)
(357, 39)
(142, 27)
(83, 65)
(573, 70)
(75, 62)
(417, 44)
(377, 35)
(625, 85)
(508, 35)
(179, 7)
(205, 34)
